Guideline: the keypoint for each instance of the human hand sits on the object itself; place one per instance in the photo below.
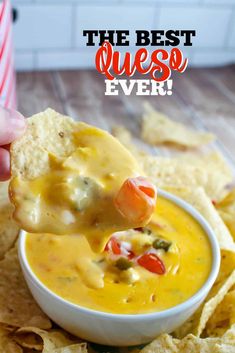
(12, 126)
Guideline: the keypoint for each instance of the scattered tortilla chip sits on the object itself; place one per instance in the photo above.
(211, 170)
(17, 306)
(217, 326)
(74, 348)
(218, 171)
(29, 340)
(124, 136)
(198, 180)
(227, 266)
(53, 341)
(191, 344)
(211, 161)
(157, 128)
(7, 345)
(226, 209)
(30, 154)
(198, 199)
(163, 344)
(223, 317)
(180, 172)
(197, 323)
(8, 227)
(211, 304)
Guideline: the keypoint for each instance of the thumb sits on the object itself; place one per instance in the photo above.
(12, 125)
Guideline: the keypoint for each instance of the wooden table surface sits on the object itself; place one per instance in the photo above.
(202, 98)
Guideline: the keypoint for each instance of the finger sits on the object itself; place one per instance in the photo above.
(4, 164)
(12, 125)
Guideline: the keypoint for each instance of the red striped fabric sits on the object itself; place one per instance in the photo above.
(7, 72)
(3, 5)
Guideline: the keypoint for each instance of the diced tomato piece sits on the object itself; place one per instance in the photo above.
(114, 246)
(152, 263)
(130, 255)
(136, 200)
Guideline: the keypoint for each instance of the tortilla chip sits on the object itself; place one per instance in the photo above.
(210, 172)
(227, 266)
(226, 209)
(4, 192)
(7, 345)
(47, 132)
(53, 341)
(212, 304)
(198, 199)
(212, 161)
(157, 129)
(124, 136)
(223, 317)
(197, 323)
(163, 344)
(218, 172)
(8, 227)
(29, 340)
(8, 230)
(191, 344)
(17, 306)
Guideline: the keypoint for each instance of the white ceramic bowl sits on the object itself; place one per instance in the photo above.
(117, 329)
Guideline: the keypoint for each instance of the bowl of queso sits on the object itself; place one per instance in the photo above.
(146, 281)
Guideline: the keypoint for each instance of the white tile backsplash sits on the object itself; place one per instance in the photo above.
(231, 39)
(41, 27)
(164, 2)
(113, 17)
(70, 59)
(219, 2)
(17, 2)
(76, 1)
(210, 24)
(48, 33)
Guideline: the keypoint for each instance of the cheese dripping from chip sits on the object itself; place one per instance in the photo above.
(96, 189)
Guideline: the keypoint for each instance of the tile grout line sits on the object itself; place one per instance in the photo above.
(73, 25)
(229, 29)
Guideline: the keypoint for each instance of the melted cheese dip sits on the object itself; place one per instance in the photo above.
(76, 195)
(68, 266)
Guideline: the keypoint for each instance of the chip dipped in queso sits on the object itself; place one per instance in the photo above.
(141, 270)
(83, 182)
